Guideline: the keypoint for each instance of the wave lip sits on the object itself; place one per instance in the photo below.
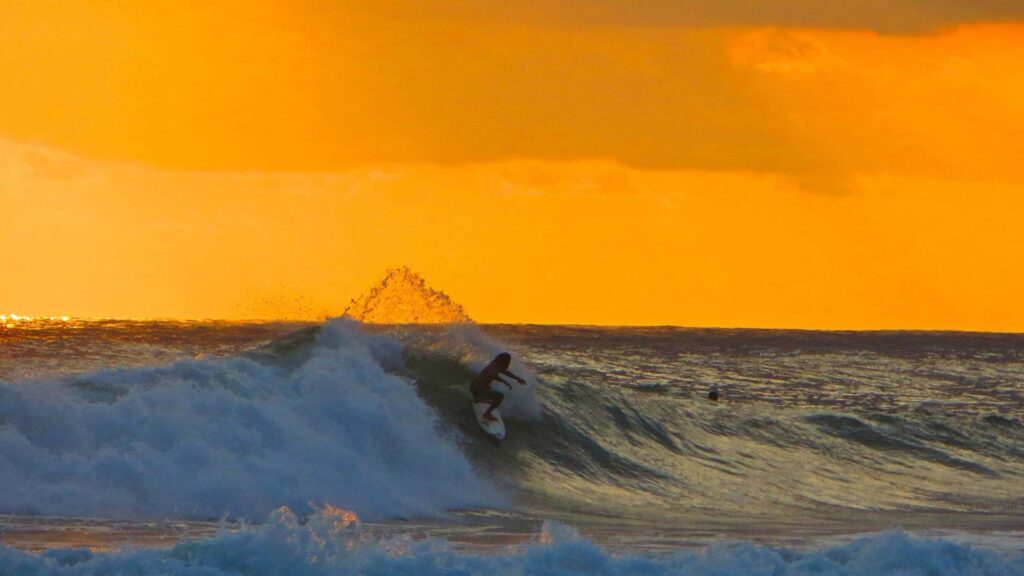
(205, 438)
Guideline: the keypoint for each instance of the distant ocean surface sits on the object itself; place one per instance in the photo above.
(822, 446)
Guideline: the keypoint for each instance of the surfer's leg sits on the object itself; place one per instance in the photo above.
(496, 398)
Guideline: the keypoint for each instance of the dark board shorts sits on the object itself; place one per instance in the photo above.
(485, 395)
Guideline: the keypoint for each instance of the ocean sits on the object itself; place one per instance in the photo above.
(289, 448)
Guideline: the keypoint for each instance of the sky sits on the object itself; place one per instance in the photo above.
(791, 164)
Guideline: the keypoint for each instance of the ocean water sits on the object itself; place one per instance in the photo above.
(210, 448)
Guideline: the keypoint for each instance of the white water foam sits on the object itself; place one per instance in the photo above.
(331, 543)
(206, 438)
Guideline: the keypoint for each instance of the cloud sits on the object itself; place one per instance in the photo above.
(326, 87)
(780, 51)
(888, 16)
(20, 162)
(885, 16)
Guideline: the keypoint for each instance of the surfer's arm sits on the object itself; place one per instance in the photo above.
(507, 373)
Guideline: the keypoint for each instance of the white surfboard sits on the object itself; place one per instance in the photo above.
(495, 428)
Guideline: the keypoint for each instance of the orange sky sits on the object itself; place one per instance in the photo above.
(610, 163)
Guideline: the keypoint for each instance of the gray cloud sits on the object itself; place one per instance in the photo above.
(886, 16)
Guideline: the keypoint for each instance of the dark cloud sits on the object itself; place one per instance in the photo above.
(886, 16)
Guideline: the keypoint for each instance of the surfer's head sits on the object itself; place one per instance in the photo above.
(503, 360)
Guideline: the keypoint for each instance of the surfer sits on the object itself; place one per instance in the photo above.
(713, 393)
(481, 384)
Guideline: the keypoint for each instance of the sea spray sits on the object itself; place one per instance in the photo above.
(403, 297)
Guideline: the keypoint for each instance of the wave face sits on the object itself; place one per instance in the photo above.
(329, 545)
(211, 437)
(812, 427)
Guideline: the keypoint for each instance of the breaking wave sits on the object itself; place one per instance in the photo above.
(331, 544)
(236, 437)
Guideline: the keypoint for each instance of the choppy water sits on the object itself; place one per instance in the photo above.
(811, 427)
(815, 433)
(32, 349)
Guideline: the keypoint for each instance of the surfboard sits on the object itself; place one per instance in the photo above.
(495, 428)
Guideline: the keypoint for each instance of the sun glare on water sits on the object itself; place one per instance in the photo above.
(18, 320)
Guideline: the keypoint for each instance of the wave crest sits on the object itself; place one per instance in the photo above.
(320, 547)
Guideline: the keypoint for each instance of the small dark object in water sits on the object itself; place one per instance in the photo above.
(713, 394)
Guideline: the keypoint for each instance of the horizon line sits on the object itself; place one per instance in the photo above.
(256, 320)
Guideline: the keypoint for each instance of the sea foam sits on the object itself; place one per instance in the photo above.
(234, 437)
(330, 544)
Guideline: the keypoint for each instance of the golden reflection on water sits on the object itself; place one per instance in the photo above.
(22, 321)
